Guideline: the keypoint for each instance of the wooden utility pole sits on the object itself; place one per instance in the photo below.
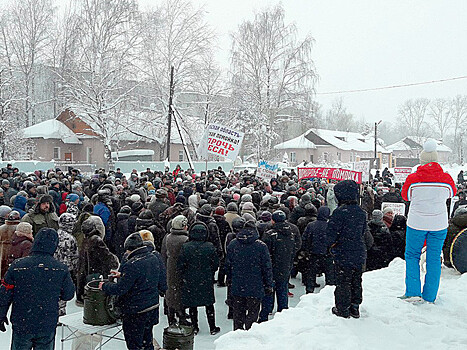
(169, 126)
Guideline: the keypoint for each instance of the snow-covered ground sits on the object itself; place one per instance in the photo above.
(386, 322)
(203, 341)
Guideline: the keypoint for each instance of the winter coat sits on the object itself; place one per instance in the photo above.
(77, 233)
(157, 206)
(282, 244)
(197, 263)
(297, 213)
(331, 200)
(121, 234)
(459, 204)
(101, 210)
(427, 190)
(7, 231)
(456, 225)
(173, 211)
(143, 278)
(213, 230)
(248, 265)
(94, 259)
(40, 220)
(34, 285)
(224, 229)
(314, 238)
(392, 197)
(368, 203)
(57, 199)
(263, 227)
(398, 232)
(20, 205)
(67, 251)
(20, 247)
(310, 216)
(381, 253)
(346, 234)
(173, 243)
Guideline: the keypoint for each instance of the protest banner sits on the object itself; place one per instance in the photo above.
(401, 173)
(330, 174)
(219, 140)
(397, 208)
(266, 170)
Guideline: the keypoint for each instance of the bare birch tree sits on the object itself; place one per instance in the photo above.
(413, 117)
(458, 111)
(102, 79)
(272, 71)
(440, 113)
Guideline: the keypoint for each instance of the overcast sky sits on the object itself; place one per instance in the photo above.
(366, 44)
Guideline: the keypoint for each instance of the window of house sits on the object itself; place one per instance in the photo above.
(311, 158)
(180, 156)
(326, 156)
(56, 153)
(339, 156)
(293, 157)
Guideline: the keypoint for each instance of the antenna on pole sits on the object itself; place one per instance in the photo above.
(182, 138)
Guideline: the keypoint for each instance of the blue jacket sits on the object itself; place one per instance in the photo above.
(34, 284)
(104, 213)
(20, 205)
(346, 234)
(143, 278)
(314, 238)
(248, 264)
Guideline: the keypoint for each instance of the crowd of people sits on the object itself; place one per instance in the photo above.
(178, 234)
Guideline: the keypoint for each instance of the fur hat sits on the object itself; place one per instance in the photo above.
(179, 222)
(377, 215)
(429, 153)
(266, 216)
(133, 241)
(147, 235)
(24, 229)
(232, 206)
(279, 216)
(248, 206)
(206, 209)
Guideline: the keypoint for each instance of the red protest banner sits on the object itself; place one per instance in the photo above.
(330, 173)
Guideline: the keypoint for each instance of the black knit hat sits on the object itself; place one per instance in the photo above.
(133, 241)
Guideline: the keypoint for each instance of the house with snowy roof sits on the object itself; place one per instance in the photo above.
(322, 146)
(406, 152)
(71, 140)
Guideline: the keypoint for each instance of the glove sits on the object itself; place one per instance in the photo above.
(162, 294)
(3, 321)
(269, 290)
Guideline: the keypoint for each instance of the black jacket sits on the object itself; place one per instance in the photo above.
(34, 285)
(381, 253)
(121, 234)
(213, 230)
(282, 244)
(143, 278)
(196, 264)
(314, 238)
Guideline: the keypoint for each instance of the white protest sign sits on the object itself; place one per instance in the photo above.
(266, 170)
(363, 167)
(220, 140)
(397, 208)
(401, 173)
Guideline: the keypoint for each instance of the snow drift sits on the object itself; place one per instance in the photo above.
(386, 322)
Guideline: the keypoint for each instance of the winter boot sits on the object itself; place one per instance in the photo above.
(211, 315)
(354, 311)
(336, 312)
(194, 319)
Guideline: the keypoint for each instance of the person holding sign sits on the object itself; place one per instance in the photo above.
(427, 190)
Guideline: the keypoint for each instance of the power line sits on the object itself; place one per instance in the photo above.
(392, 86)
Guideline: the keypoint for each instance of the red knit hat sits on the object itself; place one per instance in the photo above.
(220, 210)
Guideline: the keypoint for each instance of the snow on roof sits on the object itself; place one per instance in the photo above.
(348, 141)
(300, 142)
(133, 152)
(51, 129)
(409, 143)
